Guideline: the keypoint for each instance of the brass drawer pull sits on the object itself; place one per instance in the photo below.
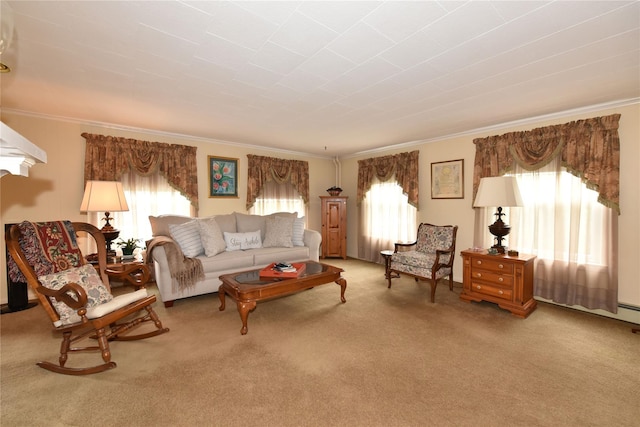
(478, 287)
(500, 265)
(500, 279)
(478, 275)
(500, 292)
(479, 262)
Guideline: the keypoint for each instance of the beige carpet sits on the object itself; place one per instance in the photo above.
(387, 357)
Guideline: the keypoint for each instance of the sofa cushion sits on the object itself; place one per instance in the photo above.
(211, 237)
(266, 256)
(187, 236)
(279, 232)
(246, 223)
(298, 232)
(226, 223)
(239, 260)
(160, 224)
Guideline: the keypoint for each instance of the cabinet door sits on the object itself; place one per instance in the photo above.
(334, 228)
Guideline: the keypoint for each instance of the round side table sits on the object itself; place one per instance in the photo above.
(387, 264)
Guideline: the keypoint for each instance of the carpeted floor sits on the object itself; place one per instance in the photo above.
(387, 357)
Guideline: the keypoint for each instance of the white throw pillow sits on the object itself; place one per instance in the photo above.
(211, 237)
(298, 232)
(242, 241)
(187, 236)
(279, 232)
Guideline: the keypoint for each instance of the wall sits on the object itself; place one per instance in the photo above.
(54, 190)
(460, 212)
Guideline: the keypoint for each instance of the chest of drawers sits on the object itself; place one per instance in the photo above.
(500, 279)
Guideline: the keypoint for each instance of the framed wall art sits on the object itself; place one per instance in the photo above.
(447, 180)
(223, 177)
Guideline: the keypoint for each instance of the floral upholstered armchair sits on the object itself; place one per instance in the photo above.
(429, 258)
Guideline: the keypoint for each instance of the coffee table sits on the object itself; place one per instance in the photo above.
(247, 288)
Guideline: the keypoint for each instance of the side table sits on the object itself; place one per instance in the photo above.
(387, 264)
(133, 273)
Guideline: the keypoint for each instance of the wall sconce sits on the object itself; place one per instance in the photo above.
(501, 191)
(6, 32)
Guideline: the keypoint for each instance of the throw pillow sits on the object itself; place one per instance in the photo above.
(242, 241)
(160, 224)
(298, 232)
(85, 276)
(211, 237)
(187, 236)
(279, 232)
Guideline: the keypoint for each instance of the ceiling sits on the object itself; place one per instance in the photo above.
(318, 77)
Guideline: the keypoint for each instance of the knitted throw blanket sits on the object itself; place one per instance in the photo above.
(185, 271)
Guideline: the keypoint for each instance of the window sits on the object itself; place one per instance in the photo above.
(386, 218)
(276, 197)
(146, 195)
(573, 236)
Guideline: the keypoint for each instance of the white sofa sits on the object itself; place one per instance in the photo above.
(306, 246)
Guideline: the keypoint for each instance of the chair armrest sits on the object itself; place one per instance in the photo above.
(444, 252)
(77, 300)
(403, 245)
(134, 274)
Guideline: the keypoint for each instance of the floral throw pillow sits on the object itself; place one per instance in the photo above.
(85, 276)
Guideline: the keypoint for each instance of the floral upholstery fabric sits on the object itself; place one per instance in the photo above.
(432, 237)
(418, 263)
(85, 276)
(49, 247)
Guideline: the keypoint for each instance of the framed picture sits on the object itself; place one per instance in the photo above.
(223, 177)
(447, 180)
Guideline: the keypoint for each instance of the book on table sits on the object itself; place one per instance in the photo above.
(277, 270)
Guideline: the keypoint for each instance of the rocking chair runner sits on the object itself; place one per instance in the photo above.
(429, 258)
(77, 299)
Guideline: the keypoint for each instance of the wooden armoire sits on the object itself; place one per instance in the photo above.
(334, 227)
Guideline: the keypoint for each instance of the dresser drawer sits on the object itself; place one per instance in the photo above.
(494, 291)
(496, 265)
(491, 277)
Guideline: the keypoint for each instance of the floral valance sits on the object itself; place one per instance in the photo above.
(263, 169)
(108, 157)
(404, 166)
(589, 149)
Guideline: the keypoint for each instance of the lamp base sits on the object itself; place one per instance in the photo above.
(110, 234)
(499, 229)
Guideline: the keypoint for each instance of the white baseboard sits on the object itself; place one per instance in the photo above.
(626, 312)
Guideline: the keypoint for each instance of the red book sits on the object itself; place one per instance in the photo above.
(270, 273)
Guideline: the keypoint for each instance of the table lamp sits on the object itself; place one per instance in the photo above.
(500, 191)
(107, 196)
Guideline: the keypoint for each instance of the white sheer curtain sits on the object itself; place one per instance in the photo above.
(386, 217)
(276, 197)
(146, 195)
(573, 236)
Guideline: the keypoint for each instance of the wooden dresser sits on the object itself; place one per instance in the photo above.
(500, 279)
(334, 227)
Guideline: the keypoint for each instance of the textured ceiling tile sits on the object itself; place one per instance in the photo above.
(360, 43)
(337, 15)
(277, 59)
(303, 35)
(398, 20)
(240, 26)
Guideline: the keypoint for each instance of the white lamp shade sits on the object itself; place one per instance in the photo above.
(103, 196)
(499, 191)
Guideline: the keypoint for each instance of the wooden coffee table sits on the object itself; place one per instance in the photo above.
(247, 288)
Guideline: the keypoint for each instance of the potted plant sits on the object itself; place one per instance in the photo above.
(128, 246)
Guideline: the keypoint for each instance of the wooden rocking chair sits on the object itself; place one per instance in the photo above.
(76, 297)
